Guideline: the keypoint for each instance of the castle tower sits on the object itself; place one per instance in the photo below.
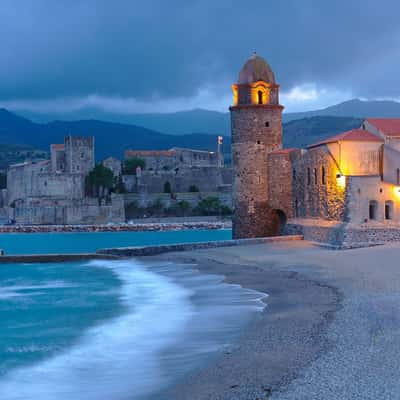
(256, 120)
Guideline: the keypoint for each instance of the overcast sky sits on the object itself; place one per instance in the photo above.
(167, 55)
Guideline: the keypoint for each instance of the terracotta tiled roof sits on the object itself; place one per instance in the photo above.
(150, 153)
(283, 151)
(355, 135)
(388, 126)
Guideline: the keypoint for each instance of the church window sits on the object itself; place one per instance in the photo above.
(308, 176)
(260, 97)
(323, 175)
(373, 209)
(315, 176)
(389, 209)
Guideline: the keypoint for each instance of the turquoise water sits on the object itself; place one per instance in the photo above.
(112, 330)
(62, 243)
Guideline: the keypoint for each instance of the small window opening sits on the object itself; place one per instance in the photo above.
(389, 209)
(315, 176)
(323, 175)
(294, 174)
(267, 124)
(373, 209)
(260, 97)
(398, 176)
(258, 142)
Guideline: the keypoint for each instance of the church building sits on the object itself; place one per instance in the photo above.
(344, 190)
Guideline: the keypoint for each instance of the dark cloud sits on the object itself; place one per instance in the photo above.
(173, 48)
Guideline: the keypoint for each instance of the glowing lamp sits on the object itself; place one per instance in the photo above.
(341, 180)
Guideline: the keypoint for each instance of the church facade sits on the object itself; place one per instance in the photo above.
(344, 190)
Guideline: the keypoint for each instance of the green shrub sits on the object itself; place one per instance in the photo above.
(131, 164)
(212, 206)
(99, 180)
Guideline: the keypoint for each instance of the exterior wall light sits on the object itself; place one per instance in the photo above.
(341, 180)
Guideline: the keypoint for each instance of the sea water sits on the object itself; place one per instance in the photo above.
(89, 242)
(112, 330)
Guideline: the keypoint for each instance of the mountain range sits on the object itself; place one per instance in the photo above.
(218, 123)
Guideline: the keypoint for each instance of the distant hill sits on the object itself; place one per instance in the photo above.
(111, 139)
(218, 123)
(353, 108)
(306, 131)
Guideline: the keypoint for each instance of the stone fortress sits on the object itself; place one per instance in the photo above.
(54, 191)
(344, 190)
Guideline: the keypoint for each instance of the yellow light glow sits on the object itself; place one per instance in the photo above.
(341, 180)
(235, 95)
(396, 191)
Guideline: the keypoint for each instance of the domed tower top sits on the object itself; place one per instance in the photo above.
(256, 69)
(256, 84)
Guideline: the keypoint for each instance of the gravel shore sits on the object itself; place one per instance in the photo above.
(331, 328)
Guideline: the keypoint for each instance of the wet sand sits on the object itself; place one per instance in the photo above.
(331, 328)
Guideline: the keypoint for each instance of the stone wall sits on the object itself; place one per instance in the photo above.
(148, 199)
(79, 154)
(47, 211)
(317, 190)
(206, 179)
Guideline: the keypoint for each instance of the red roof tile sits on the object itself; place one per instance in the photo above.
(388, 126)
(150, 153)
(355, 135)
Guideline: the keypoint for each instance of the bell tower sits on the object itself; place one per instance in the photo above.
(256, 123)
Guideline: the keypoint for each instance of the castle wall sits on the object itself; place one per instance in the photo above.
(256, 131)
(313, 195)
(45, 211)
(206, 179)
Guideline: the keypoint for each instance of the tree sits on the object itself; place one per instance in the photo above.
(212, 206)
(119, 185)
(3, 180)
(99, 180)
(167, 187)
(183, 207)
(193, 188)
(131, 164)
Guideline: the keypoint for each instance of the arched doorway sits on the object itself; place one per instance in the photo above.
(282, 219)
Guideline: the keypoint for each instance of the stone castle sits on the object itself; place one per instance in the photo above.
(344, 190)
(53, 191)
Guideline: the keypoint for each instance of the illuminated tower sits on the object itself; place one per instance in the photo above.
(256, 120)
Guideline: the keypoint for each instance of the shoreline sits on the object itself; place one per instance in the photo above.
(271, 349)
(142, 227)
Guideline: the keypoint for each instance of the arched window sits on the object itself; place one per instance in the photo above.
(389, 209)
(260, 97)
(323, 175)
(373, 209)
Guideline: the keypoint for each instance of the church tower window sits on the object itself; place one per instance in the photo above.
(323, 175)
(260, 97)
